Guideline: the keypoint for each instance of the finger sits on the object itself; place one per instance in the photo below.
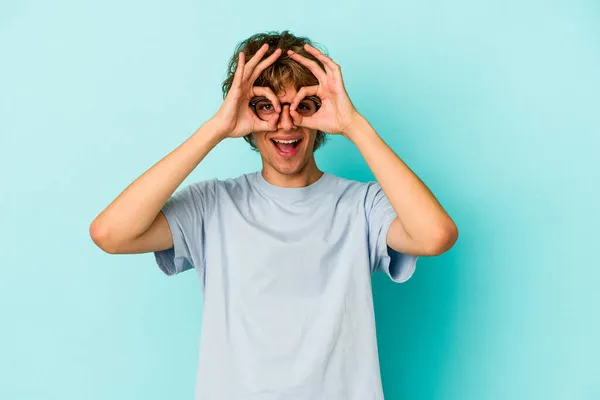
(302, 93)
(254, 60)
(310, 64)
(297, 118)
(239, 71)
(319, 54)
(307, 122)
(329, 63)
(263, 126)
(264, 64)
(268, 93)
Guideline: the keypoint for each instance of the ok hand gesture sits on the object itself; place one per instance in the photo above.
(236, 118)
(337, 112)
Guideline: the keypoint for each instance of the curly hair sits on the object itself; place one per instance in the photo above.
(282, 72)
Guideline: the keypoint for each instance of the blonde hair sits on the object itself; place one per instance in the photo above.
(282, 72)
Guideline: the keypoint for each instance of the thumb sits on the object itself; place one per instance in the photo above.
(307, 122)
(297, 118)
(269, 125)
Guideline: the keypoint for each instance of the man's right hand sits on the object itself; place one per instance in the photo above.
(236, 118)
(133, 223)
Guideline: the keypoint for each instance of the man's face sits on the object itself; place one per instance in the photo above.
(286, 159)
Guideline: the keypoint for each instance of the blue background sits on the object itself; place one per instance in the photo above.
(495, 105)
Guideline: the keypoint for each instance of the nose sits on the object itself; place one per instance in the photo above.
(285, 121)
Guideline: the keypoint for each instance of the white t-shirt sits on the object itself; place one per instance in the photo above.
(286, 281)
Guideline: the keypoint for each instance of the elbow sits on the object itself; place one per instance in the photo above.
(443, 240)
(101, 238)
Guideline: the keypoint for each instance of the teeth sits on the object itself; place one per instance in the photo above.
(286, 141)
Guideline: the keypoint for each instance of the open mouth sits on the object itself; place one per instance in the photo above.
(286, 148)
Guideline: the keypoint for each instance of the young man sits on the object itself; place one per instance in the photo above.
(284, 255)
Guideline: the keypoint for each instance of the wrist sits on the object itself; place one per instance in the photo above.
(217, 129)
(356, 125)
(213, 130)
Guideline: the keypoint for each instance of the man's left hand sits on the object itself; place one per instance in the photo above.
(337, 113)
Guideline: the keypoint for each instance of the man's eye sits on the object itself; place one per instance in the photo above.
(265, 106)
(307, 106)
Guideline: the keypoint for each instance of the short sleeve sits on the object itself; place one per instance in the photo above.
(380, 215)
(185, 212)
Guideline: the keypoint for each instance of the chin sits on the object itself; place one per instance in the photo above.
(288, 169)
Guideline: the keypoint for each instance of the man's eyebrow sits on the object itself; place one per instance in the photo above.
(258, 98)
(261, 98)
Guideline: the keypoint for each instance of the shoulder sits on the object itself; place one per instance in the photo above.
(213, 186)
(352, 187)
(242, 182)
(222, 188)
(203, 188)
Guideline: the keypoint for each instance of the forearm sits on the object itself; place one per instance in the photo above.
(421, 215)
(135, 209)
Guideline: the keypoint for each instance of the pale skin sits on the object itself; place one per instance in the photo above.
(133, 223)
(422, 226)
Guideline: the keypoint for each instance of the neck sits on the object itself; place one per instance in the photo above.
(305, 177)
